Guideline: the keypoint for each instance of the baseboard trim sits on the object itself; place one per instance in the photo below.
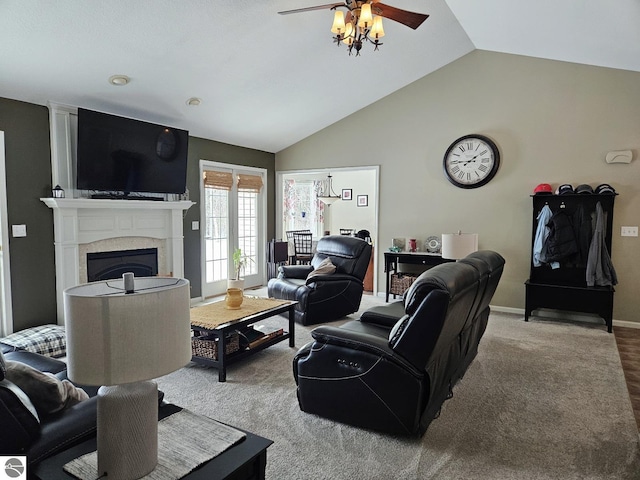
(580, 317)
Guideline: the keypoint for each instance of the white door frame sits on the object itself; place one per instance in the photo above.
(6, 327)
(262, 234)
(326, 171)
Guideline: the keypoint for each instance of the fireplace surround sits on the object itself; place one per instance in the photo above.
(84, 226)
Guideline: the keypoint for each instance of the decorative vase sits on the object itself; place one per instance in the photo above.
(233, 299)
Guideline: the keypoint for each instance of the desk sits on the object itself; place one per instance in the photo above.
(392, 260)
(245, 461)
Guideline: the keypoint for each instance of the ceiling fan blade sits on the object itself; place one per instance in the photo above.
(326, 6)
(410, 19)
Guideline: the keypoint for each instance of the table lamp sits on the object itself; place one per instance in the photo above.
(459, 245)
(120, 336)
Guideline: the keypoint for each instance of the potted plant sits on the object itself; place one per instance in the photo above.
(239, 264)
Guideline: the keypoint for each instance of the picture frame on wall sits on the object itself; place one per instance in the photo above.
(363, 200)
(347, 194)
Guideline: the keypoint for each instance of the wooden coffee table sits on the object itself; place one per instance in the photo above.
(221, 332)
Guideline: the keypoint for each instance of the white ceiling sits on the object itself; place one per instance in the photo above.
(266, 80)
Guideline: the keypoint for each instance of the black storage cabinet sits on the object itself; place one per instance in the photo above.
(566, 288)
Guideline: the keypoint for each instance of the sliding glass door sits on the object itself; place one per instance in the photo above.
(233, 213)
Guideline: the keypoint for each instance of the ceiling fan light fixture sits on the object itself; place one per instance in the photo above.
(363, 21)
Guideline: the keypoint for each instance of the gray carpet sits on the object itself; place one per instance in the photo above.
(543, 400)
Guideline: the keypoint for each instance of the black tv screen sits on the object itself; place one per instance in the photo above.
(117, 154)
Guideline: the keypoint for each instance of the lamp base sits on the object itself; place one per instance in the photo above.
(128, 430)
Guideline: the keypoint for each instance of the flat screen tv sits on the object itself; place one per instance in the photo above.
(121, 155)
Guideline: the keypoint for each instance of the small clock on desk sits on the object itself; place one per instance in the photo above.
(433, 244)
(471, 161)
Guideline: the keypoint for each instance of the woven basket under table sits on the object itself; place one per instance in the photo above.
(207, 345)
(400, 283)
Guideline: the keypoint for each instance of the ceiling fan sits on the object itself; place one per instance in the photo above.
(363, 21)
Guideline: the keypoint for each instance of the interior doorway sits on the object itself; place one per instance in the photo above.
(297, 208)
(6, 320)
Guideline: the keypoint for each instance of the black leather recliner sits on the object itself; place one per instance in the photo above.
(324, 298)
(392, 369)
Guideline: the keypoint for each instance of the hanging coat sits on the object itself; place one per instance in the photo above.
(542, 232)
(561, 242)
(600, 271)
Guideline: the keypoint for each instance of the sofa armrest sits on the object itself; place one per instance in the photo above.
(384, 315)
(37, 361)
(333, 277)
(294, 271)
(369, 339)
(64, 429)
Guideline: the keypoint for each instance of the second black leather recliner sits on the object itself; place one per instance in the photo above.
(324, 298)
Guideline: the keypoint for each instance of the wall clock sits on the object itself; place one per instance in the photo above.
(471, 161)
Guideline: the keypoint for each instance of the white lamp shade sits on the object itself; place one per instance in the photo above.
(459, 245)
(115, 338)
(338, 22)
(348, 34)
(366, 18)
(377, 31)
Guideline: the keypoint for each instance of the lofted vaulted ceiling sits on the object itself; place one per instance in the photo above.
(266, 80)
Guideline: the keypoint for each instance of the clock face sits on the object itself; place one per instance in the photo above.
(471, 161)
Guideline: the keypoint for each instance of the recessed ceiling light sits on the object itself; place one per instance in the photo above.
(119, 80)
(194, 102)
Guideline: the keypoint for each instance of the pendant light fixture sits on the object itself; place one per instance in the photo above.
(328, 196)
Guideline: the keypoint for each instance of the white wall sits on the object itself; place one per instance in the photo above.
(344, 213)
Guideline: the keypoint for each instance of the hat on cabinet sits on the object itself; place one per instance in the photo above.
(605, 189)
(543, 189)
(564, 189)
(584, 188)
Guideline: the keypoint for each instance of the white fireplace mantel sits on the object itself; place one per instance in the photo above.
(80, 221)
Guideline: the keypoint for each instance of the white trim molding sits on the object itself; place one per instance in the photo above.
(83, 221)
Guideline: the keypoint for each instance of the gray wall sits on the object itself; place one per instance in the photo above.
(553, 122)
(28, 166)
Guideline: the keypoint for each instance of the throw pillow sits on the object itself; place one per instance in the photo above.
(47, 393)
(49, 340)
(325, 268)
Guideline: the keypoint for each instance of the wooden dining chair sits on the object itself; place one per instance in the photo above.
(292, 250)
(303, 248)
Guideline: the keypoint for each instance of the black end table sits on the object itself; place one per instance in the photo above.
(245, 461)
